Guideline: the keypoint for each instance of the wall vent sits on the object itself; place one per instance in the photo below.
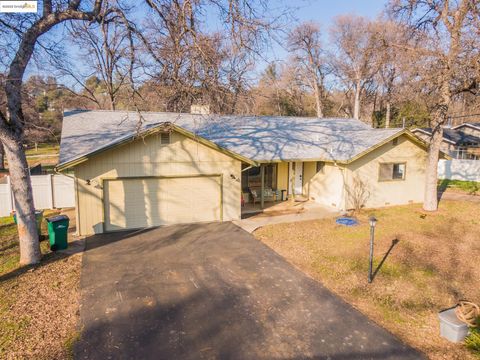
(165, 138)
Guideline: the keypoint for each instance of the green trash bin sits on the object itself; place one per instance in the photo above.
(38, 217)
(58, 232)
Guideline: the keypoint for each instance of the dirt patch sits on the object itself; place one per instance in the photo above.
(39, 304)
(432, 262)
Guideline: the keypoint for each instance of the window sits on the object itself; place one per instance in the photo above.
(251, 178)
(164, 138)
(392, 171)
(320, 165)
(254, 171)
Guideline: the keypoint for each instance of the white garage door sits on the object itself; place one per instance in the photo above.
(138, 203)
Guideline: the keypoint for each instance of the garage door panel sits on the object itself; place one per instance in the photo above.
(125, 208)
(192, 200)
(137, 203)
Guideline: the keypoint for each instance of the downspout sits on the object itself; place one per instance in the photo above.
(77, 208)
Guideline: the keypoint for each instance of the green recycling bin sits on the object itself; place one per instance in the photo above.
(38, 218)
(58, 232)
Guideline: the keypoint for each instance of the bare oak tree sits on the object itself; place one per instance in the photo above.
(443, 49)
(24, 33)
(105, 51)
(304, 42)
(390, 64)
(355, 61)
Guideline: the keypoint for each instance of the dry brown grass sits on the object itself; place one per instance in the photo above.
(39, 304)
(433, 265)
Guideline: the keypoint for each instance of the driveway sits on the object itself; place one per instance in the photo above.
(213, 291)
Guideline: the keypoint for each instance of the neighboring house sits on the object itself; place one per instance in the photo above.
(178, 168)
(470, 128)
(460, 142)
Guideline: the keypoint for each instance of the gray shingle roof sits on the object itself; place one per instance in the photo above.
(260, 138)
(475, 124)
(458, 137)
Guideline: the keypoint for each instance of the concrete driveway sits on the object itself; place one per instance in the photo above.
(212, 291)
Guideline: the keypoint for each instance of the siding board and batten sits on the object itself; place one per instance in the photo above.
(151, 158)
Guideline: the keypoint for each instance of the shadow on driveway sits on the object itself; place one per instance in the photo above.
(212, 291)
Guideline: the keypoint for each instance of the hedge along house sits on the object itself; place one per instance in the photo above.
(134, 171)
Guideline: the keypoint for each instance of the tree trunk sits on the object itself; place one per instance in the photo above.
(25, 212)
(387, 115)
(356, 109)
(11, 125)
(112, 102)
(2, 157)
(431, 193)
(318, 101)
(439, 119)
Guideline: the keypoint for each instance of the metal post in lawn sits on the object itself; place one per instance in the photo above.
(373, 222)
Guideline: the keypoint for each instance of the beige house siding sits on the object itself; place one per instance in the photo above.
(395, 192)
(326, 186)
(148, 158)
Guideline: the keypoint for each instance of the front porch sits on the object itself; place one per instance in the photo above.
(283, 212)
(273, 208)
(268, 187)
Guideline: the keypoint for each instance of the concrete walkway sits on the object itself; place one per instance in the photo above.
(213, 291)
(312, 211)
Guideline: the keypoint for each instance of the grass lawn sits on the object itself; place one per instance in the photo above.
(469, 187)
(43, 149)
(38, 304)
(46, 154)
(432, 265)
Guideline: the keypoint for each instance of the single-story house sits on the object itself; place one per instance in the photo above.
(138, 170)
(459, 142)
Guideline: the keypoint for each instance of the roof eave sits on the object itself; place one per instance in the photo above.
(166, 125)
(467, 125)
(296, 159)
(405, 132)
(430, 134)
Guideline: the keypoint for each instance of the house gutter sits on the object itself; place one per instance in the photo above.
(248, 168)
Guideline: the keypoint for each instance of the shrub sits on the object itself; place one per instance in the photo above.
(472, 341)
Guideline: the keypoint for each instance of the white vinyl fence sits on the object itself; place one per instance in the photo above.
(49, 192)
(457, 169)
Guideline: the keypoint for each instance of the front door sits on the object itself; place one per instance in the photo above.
(298, 178)
(296, 168)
